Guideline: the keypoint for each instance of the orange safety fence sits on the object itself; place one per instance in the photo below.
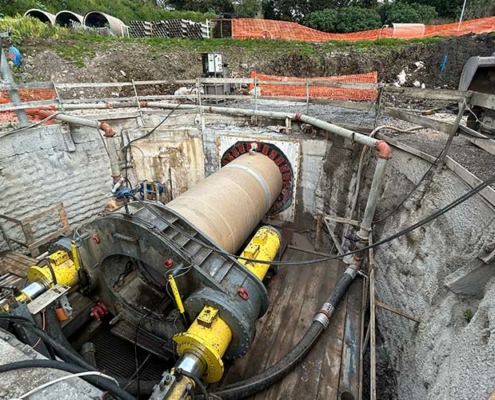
(25, 95)
(244, 28)
(318, 91)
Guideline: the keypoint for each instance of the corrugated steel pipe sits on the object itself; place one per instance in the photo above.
(65, 17)
(104, 126)
(97, 19)
(43, 16)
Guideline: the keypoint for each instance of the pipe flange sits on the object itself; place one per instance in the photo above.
(284, 200)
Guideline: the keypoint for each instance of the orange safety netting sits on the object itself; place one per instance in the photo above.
(263, 28)
(318, 91)
(25, 95)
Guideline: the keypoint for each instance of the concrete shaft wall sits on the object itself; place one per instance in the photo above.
(38, 171)
(451, 355)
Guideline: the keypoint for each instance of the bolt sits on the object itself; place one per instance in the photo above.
(168, 263)
(168, 378)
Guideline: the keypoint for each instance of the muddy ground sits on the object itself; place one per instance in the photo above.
(70, 60)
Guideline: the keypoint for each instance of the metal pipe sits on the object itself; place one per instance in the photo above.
(13, 93)
(104, 126)
(229, 204)
(376, 186)
(355, 136)
(33, 290)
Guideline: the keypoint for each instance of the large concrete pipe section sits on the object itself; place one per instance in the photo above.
(229, 204)
(66, 18)
(43, 16)
(96, 19)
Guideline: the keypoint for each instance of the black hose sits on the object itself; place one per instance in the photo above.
(73, 357)
(54, 330)
(100, 382)
(276, 372)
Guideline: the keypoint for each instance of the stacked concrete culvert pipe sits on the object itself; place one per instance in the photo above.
(96, 19)
(66, 18)
(43, 16)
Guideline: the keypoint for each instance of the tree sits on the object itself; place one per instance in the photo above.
(444, 8)
(248, 8)
(355, 19)
(325, 20)
(407, 13)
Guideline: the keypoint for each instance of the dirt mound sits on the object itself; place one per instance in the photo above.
(123, 61)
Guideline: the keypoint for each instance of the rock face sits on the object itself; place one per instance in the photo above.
(451, 355)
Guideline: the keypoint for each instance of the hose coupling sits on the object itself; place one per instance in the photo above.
(351, 271)
(323, 316)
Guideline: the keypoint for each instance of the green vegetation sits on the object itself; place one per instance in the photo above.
(407, 13)
(126, 10)
(344, 20)
(23, 28)
(468, 315)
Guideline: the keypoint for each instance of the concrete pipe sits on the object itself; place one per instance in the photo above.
(96, 19)
(43, 16)
(66, 18)
(229, 204)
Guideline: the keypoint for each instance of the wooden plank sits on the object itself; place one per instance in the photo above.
(418, 120)
(26, 105)
(488, 194)
(350, 365)
(372, 321)
(340, 250)
(486, 144)
(33, 247)
(431, 94)
(483, 100)
(342, 220)
(7, 218)
(42, 214)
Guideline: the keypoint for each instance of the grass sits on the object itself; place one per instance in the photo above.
(468, 315)
(23, 28)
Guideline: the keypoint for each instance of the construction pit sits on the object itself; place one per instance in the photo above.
(205, 246)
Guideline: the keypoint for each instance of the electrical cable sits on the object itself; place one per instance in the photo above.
(403, 232)
(64, 378)
(197, 382)
(25, 128)
(104, 384)
(427, 173)
(43, 325)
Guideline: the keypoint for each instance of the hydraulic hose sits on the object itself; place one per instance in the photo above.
(276, 372)
(72, 357)
(99, 382)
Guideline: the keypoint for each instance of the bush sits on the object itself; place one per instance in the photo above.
(407, 13)
(23, 28)
(355, 19)
(325, 20)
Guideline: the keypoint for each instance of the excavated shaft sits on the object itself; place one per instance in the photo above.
(229, 204)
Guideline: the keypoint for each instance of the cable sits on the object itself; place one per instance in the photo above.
(427, 173)
(403, 232)
(64, 378)
(43, 324)
(25, 128)
(103, 384)
(197, 382)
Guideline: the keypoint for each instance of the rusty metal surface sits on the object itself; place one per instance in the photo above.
(296, 294)
(229, 204)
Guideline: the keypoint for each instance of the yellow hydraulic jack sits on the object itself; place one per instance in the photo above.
(204, 344)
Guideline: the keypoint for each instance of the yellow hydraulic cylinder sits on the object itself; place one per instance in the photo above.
(63, 270)
(175, 292)
(207, 338)
(263, 246)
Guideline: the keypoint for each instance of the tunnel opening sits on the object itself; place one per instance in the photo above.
(96, 20)
(68, 18)
(41, 15)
